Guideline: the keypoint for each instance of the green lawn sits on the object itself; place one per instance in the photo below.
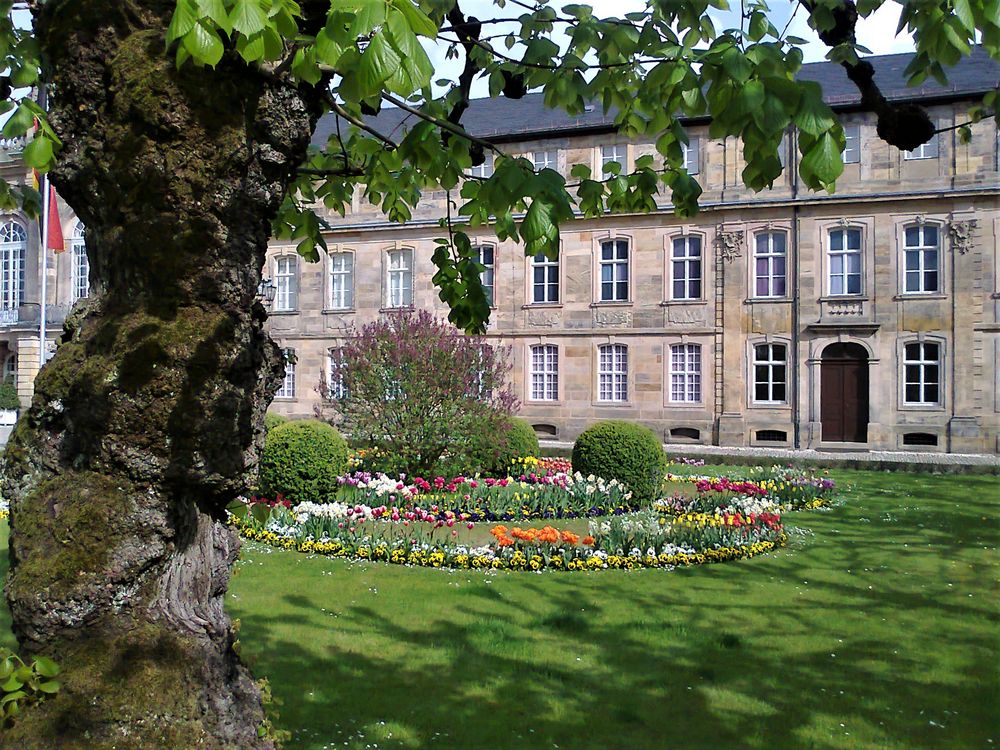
(876, 628)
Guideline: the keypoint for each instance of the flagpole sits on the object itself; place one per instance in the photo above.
(43, 184)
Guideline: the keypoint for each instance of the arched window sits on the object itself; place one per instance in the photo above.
(81, 265)
(13, 248)
(612, 373)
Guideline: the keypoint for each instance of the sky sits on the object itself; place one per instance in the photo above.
(877, 32)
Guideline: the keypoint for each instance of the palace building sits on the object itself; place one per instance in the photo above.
(866, 319)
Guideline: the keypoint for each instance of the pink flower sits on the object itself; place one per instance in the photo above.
(470, 525)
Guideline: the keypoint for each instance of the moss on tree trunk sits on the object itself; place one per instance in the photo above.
(146, 423)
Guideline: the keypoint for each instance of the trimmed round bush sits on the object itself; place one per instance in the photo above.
(628, 452)
(302, 460)
(272, 420)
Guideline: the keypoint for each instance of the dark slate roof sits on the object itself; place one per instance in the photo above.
(505, 119)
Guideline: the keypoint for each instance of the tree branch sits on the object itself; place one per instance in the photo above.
(443, 124)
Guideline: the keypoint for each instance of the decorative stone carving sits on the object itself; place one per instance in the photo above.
(613, 318)
(845, 308)
(542, 319)
(961, 234)
(730, 244)
(686, 315)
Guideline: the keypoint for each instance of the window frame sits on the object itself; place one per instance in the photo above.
(335, 380)
(484, 170)
(13, 260)
(852, 132)
(80, 271)
(549, 374)
(770, 364)
(769, 256)
(554, 164)
(904, 363)
(599, 243)
(686, 374)
(921, 226)
(602, 159)
(844, 252)
(291, 360)
(616, 374)
(291, 278)
(692, 147)
(548, 264)
(332, 272)
(405, 272)
(920, 153)
(687, 260)
(490, 270)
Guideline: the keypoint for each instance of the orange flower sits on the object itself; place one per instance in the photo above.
(588, 540)
(498, 531)
(548, 534)
(570, 538)
(504, 541)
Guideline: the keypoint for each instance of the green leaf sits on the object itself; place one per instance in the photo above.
(50, 687)
(814, 116)
(215, 10)
(184, 19)
(417, 19)
(377, 64)
(823, 160)
(38, 153)
(46, 667)
(367, 15)
(204, 44)
(247, 17)
(20, 122)
(252, 48)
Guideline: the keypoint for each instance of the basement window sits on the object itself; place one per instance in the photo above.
(772, 436)
(685, 433)
(920, 438)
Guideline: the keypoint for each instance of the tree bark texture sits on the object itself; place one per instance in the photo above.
(147, 422)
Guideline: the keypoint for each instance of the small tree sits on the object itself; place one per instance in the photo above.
(420, 390)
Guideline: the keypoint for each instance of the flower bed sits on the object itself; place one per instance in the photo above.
(761, 490)
(430, 536)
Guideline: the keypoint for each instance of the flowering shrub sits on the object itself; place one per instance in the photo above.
(421, 391)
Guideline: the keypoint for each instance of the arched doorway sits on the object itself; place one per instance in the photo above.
(844, 393)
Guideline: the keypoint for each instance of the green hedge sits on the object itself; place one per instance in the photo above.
(628, 452)
(8, 395)
(272, 420)
(302, 460)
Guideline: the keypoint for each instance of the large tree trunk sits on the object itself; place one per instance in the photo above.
(146, 423)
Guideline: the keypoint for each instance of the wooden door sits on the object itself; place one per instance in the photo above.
(844, 394)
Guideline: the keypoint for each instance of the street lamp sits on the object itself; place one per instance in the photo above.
(266, 290)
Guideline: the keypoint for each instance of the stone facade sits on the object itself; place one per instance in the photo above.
(916, 370)
(952, 403)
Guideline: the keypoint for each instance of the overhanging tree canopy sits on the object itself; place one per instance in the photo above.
(178, 130)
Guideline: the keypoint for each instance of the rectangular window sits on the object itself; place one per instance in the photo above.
(287, 389)
(852, 148)
(927, 150)
(335, 363)
(613, 154)
(685, 264)
(685, 373)
(845, 261)
(612, 373)
(483, 170)
(81, 270)
(544, 279)
(545, 373)
(286, 282)
(545, 160)
(691, 154)
(769, 265)
(921, 258)
(486, 258)
(922, 373)
(769, 373)
(399, 278)
(342, 281)
(614, 271)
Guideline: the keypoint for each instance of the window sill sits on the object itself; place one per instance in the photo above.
(693, 405)
(932, 408)
(542, 306)
(919, 295)
(406, 308)
(612, 404)
(760, 300)
(612, 303)
(671, 302)
(340, 311)
(845, 298)
(283, 312)
(770, 406)
(530, 402)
